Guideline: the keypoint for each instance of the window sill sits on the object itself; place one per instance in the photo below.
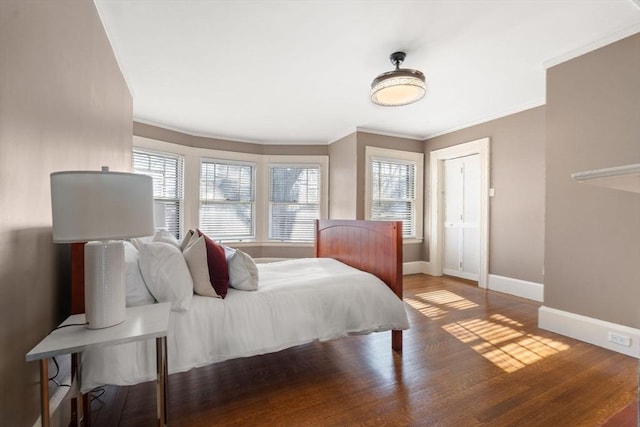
(412, 241)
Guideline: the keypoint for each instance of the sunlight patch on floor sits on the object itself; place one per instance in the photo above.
(436, 304)
(448, 299)
(426, 309)
(497, 340)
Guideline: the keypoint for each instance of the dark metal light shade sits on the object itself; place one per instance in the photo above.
(401, 86)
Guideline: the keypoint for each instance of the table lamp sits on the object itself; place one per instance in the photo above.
(101, 208)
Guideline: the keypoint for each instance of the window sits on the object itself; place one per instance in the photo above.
(294, 201)
(227, 199)
(166, 170)
(249, 199)
(394, 184)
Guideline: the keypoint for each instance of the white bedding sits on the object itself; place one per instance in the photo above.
(297, 301)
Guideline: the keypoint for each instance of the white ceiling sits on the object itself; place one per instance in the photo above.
(299, 72)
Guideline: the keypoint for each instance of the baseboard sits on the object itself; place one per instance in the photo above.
(588, 329)
(416, 267)
(460, 274)
(517, 287)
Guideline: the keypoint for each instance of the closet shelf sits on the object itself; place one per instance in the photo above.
(625, 178)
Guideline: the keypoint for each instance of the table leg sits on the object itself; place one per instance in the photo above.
(166, 381)
(79, 409)
(160, 382)
(44, 392)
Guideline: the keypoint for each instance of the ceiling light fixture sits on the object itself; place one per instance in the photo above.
(401, 86)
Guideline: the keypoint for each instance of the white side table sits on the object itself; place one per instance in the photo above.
(141, 323)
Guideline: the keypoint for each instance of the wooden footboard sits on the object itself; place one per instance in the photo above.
(372, 246)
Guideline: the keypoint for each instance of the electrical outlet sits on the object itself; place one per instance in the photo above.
(620, 339)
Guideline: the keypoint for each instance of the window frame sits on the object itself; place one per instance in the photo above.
(293, 160)
(269, 211)
(181, 201)
(217, 160)
(405, 157)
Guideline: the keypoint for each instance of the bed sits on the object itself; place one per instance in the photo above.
(352, 286)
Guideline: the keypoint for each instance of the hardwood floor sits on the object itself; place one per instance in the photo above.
(472, 357)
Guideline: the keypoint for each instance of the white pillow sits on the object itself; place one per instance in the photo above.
(138, 242)
(137, 292)
(195, 254)
(243, 272)
(166, 274)
(186, 240)
(166, 237)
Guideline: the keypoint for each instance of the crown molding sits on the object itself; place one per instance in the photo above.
(597, 44)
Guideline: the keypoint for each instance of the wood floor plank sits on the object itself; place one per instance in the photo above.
(472, 357)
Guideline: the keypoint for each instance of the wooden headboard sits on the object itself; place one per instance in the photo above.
(372, 246)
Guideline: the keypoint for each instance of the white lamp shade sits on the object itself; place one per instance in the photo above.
(100, 205)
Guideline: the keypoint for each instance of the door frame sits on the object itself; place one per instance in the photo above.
(436, 160)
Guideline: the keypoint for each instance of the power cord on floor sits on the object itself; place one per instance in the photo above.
(97, 393)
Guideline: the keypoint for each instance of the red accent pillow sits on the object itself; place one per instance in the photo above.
(218, 269)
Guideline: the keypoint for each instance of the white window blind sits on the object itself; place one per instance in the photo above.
(393, 184)
(227, 199)
(294, 201)
(167, 171)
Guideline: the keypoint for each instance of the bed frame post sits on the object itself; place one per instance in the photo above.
(77, 307)
(371, 246)
(77, 278)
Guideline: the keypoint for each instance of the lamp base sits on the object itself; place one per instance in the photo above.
(104, 292)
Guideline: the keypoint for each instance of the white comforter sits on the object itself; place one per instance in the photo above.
(297, 301)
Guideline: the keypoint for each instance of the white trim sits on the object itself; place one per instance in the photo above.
(322, 161)
(504, 113)
(460, 274)
(597, 44)
(588, 329)
(437, 157)
(612, 172)
(517, 287)
(416, 267)
(385, 133)
(625, 177)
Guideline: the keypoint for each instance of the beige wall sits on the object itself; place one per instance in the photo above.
(516, 213)
(592, 250)
(161, 134)
(63, 105)
(343, 176)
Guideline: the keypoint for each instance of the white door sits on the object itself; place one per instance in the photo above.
(461, 213)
